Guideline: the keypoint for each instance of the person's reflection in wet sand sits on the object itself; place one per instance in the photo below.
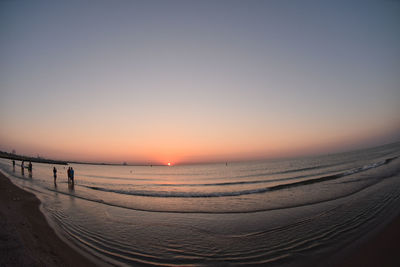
(71, 188)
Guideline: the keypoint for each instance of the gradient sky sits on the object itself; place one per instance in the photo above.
(184, 81)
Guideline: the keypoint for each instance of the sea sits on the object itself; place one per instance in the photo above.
(285, 212)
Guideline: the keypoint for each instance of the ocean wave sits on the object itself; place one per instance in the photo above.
(243, 182)
(262, 174)
(282, 172)
(166, 194)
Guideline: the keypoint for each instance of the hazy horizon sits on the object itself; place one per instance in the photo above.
(197, 81)
(215, 161)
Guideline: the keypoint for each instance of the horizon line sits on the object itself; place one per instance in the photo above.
(182, 163)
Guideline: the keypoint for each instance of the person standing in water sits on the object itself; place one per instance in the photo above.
(55, 174)
(69, 173)
(72, 175)
(13, 165)
(22, 167)
(30, 167)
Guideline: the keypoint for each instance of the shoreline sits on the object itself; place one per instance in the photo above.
(26, 238)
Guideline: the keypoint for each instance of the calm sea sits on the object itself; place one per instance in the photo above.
(281, 212)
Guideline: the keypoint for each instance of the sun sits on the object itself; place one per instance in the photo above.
(169, 163)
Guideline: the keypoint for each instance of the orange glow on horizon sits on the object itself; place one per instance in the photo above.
(187, 146)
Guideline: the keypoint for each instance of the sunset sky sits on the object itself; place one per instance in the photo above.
(187, 81)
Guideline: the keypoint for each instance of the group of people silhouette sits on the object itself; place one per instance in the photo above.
(70, 171)
(29, 167)
(70, 175)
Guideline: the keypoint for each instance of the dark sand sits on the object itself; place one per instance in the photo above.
(26, 239)
(380, 250)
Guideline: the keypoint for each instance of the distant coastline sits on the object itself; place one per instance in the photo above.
(114, 164)
(13, 156)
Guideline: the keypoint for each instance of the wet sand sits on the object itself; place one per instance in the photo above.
(26, 239)
(380, 250)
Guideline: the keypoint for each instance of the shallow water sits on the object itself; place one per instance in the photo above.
(284, 212)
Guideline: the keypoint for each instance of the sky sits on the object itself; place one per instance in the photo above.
(197, 81)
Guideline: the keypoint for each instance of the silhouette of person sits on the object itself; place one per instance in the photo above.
(13, 165)
(72, 176)
(69, 174)
(55, 174)
(30, 167)
(22, 168)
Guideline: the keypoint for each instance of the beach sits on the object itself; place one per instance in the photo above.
(334, 210)
(26, 239)
(200, 133)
